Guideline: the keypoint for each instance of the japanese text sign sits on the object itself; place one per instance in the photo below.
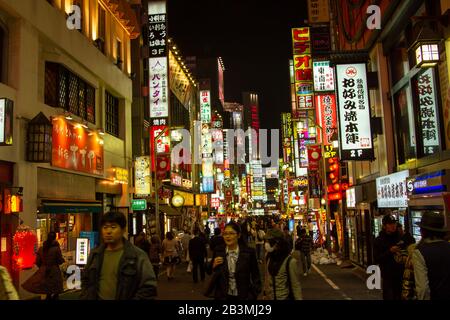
(74, 149)
(323, 76)
(159, 106)
(327, 116)
(354, 112)
(205, 106)
(392, 190)
(157, 28)
(142, 176)
(426, 91)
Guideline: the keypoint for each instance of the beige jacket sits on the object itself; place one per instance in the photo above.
(7, 289)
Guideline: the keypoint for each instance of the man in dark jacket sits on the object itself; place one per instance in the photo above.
(117, 270)
(385, 247)
(431, 259)
(216, 239)
(304, 244)
(197, 254)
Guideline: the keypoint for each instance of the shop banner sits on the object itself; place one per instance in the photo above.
(157, 28)
(323, 76)
(392, 190)
(354, 112)
(179, 82)
(314, 157)
(318, 11)
(142, 180)
(159, 97)
(327, 116)
(73, 148)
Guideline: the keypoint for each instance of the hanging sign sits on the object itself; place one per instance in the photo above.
(138, 204)
(157, 28)
(327, 116)
(142, 176)
(159, 106)
(6, 122)
(323, 76)
(426, 91)
(354, 112)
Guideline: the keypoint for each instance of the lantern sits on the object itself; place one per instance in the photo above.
(39, 139)
(426, 47)
(25, 247)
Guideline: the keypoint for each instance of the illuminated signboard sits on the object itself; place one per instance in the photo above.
(142, 176)
(120, 175)
(392, 190)
(74, 149)
(354, 112)
(157, 28)
(205, 106)
(426, 91)
(318, 11)
(162, 144)
(179, 82)
(159, 106)
(176, 179)
(323, 76)
(303, 68)
(327, 116)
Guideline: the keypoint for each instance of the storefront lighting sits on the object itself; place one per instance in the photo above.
(67, 115)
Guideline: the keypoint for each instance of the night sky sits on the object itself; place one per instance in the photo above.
(252, 37)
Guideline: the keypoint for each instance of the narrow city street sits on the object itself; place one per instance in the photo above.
(325, 282)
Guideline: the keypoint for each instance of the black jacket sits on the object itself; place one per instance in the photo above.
(248, 279)
(197, 248)
(216, 241)
(135, 280)
(390, 269)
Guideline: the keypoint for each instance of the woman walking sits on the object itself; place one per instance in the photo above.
(48, 279)
(171, 248)
(235, 269)
(155, 254)
(282, 278)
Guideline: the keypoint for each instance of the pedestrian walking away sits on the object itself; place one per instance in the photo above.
(48, 279)
(117, 269)
(282, 278)
(304, 245)
(171, 257)
(197, 254)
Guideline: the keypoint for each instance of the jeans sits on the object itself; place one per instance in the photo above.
(306, 261)
(196, 263)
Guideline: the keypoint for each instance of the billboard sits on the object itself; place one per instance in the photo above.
(327, 116)
(392, 190)
(159, 105)
(157, 28)
(354, 112)
(142, 178)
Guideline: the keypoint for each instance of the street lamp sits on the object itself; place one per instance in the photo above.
(426, 46)
(158, 231)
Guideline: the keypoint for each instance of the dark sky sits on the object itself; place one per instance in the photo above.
(252, 37)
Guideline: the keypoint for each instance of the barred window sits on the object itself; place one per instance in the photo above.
(112, 114)
(64, 89)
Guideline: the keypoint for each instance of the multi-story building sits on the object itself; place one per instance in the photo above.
(66, 71)
(406, 50)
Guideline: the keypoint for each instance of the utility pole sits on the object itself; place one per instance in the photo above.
(158, 229)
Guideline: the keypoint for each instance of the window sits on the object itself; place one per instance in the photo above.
(64, 89)
(119, 54)
(101, 29)
(112, 114)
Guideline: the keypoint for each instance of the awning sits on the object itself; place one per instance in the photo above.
(169, 211)
(64, 206)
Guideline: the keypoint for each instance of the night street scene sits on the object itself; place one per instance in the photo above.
(228, 153)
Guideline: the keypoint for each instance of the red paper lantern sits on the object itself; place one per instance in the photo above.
(25, 247)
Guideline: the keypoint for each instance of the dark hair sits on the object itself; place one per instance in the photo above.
(169, 235)
(276, 258)
(217, 231)
(429, 234)
(234, 225)
(114, 217)
(303, 231)
(155, 239)
(51, 238)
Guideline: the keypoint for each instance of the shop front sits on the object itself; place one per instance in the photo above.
(428, 192)
(67, 206)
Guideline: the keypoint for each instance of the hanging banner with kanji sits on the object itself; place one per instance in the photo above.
(159, 106)
(354, 112)
(426, 92)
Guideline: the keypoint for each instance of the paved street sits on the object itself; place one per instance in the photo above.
(338, 284)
